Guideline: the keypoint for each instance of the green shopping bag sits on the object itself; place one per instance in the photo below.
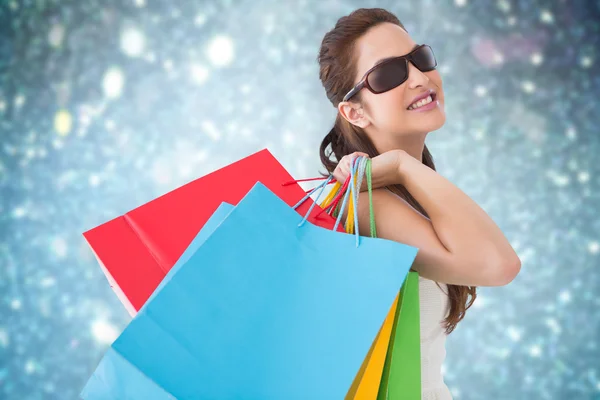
(401, 377)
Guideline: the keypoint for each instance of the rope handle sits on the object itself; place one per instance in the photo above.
(346, 193)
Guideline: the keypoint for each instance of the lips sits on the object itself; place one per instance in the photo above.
(423, 96)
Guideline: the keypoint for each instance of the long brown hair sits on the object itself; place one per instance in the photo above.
(337, 68)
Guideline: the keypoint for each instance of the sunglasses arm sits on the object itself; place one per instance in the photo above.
(354, 90)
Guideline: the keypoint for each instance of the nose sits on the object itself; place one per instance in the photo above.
(416, 78)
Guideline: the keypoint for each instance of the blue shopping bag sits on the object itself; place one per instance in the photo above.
(262, 309)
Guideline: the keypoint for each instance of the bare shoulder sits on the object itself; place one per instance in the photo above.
(388, 205)
(396, 219)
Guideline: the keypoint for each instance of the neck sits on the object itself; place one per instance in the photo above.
(412, 144)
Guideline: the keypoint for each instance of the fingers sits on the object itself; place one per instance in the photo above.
(342, 170)
(358, 154)
(352, 157)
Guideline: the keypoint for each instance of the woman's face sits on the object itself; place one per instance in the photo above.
(389, 112)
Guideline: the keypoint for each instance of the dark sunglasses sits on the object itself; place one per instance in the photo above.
(394, 71)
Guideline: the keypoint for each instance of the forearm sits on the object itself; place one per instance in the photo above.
(461, 225)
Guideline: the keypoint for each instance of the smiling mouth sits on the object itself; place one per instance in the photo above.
(423, 102)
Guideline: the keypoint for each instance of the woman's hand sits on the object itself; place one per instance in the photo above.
(385, 168)
(342, 171)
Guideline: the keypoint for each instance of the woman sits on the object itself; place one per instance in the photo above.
(389, 96)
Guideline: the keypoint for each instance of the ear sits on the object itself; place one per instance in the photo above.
(353, 113)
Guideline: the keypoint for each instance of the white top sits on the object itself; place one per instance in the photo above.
(434, 307)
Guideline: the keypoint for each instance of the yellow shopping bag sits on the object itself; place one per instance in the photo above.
(367, 381)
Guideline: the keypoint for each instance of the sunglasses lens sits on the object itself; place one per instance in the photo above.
(394, 73)
(388, 76)
(424, 59)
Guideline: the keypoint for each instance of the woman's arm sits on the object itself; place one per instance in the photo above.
(459, 243)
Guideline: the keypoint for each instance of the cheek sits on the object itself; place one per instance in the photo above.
(435, 78)
(388, 108)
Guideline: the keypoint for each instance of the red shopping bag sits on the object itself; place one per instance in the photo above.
(137, 249)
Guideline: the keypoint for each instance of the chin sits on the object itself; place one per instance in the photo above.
(428, 122)
(439, 120)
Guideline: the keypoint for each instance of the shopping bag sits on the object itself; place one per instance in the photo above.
(392, 368)
(137, 249)
(401, 377)
(258, 312)
(114, 377)
(397, 344)
(367, 382)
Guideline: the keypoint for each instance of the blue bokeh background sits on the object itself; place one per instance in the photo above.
(105, 105)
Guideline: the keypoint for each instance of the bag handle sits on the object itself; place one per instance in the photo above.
(365, 169)
(352, 218)
(307, 180)
(361, 166)
(322, 187)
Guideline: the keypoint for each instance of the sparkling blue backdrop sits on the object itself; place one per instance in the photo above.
(105, 105)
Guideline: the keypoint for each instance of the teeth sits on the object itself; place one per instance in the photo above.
(421, 103)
